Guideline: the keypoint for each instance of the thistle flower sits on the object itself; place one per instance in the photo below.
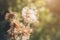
(10, 16)
(26, 33)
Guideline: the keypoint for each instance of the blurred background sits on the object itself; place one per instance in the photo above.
(48, 27)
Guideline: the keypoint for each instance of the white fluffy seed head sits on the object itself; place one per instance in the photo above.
(29, 14)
